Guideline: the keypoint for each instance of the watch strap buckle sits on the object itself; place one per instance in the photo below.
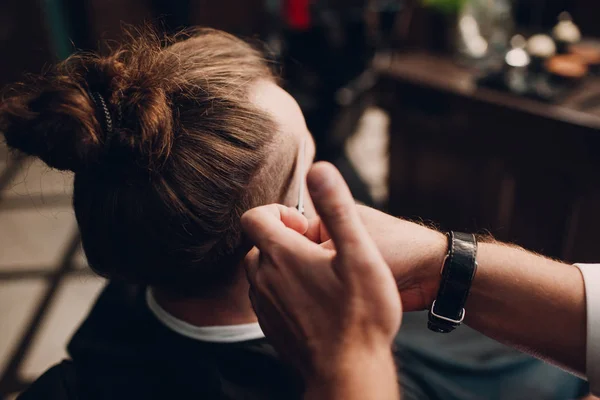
(456, 322)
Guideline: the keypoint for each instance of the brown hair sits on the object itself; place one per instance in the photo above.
(160, 202)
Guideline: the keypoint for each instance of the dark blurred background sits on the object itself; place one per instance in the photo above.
(454, 112)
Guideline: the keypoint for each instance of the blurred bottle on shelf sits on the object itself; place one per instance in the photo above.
(565, 33)
(484, 31)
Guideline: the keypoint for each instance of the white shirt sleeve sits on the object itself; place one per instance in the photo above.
(591, 277)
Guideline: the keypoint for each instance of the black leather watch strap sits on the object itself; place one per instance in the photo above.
(447, 311)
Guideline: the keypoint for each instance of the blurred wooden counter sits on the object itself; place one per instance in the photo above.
(476, 159)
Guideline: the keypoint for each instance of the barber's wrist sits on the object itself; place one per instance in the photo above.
(432, 261)
(358, 371)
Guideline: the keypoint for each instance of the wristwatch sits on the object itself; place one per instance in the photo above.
(458, 270)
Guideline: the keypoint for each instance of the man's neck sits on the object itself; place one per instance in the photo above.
(231, 307)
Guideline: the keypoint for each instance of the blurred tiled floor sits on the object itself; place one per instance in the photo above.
(46, 288)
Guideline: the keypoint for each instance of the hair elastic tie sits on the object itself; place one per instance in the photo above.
(108, 123)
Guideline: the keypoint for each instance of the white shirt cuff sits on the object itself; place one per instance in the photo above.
(591, 277)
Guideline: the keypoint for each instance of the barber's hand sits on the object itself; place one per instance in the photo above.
(331, 313)
(414, 253)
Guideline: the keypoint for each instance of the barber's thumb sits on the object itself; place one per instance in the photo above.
(336, 207)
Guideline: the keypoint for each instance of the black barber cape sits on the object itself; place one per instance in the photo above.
(123, 352)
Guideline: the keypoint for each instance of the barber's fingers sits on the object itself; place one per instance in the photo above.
(316, 231)
(337, 209)
(293, 219)
(266, 225)
(251, 264)
(277, 244)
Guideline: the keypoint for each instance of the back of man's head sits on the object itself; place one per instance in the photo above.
(166, 148)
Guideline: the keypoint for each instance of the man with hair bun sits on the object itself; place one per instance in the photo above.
(171, 143)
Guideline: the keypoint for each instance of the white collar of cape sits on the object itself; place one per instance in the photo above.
(215, 334)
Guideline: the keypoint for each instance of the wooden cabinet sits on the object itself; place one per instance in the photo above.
(475, 159)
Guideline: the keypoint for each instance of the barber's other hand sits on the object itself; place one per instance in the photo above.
(414, 253)
(332, 314)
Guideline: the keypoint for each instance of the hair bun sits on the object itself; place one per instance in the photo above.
(54, 117)
(54, 120)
